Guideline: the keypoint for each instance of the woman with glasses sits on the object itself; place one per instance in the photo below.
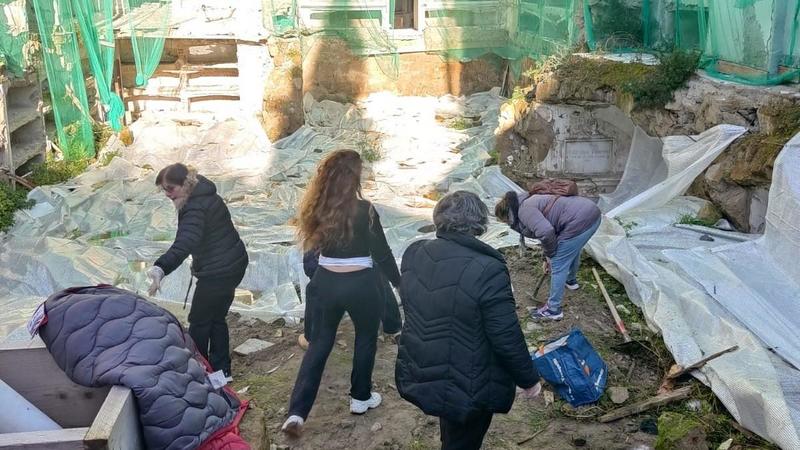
(219, 259)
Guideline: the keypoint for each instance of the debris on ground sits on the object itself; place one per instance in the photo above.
(252, 346)
(618, 394)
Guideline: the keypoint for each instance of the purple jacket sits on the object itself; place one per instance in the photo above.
(569, 217)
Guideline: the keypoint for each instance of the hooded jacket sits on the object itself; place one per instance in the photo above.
(206, 231)
(567, 218)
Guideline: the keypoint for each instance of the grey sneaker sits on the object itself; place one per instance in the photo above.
(573, 285)
(361, 406)
(544, 313)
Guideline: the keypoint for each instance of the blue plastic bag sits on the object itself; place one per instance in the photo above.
(572, 366)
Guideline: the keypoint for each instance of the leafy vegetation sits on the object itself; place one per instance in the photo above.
(460, 123)
(101, 133)
(10, 202)
(627, 226)
(670, 75)
(106, 157)
(647, 86)
(688, 219)
(54, 172)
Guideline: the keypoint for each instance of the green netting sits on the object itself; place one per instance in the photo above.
(752, 41)
(467, 29)
(619, 25)
(545, 27)
(362, 25)
(13, 35)
(65, 77)
(66, 27)
(147, 23)
(279, 15)
(690, 24)
(94, 18)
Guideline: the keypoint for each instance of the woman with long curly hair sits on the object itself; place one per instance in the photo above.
(336, 219)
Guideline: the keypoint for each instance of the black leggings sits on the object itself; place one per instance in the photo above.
(392, 322)
(464, 436)
(358, 294)
(210, 304)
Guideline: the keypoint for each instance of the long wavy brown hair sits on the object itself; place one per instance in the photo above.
(328, 208)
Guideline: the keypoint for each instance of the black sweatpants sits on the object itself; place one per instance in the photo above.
(392, 322)
(210, 304)
(464, 436)
(358, 294)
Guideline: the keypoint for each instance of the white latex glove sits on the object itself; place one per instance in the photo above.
(155, 274)
(532, 391)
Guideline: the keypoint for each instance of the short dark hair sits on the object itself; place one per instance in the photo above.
(461, 212)
(173, 173)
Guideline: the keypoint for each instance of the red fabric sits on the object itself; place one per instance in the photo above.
(227, 437)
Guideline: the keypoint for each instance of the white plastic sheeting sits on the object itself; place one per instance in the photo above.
(109, 224)
(707, 296)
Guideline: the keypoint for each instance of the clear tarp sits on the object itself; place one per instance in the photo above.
(705, 296)
(109, 224)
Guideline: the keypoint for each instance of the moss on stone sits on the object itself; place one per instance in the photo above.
(636, 85)
(755, 153)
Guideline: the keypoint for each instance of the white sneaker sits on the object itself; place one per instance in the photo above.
(361, 406)
(573, 286)
(293, 426)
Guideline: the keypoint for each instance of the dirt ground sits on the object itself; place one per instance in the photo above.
(266, 379)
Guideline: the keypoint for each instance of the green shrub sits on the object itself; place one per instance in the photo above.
(673, 72)
(688, 219)
(11, 201)
(54, 172)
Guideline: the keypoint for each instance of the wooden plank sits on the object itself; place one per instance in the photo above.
(700, 363)
(117, 424)
(644, 405)
(175, 70)
(67, 439)
(738, 69)
(188, 91)
(33, 373)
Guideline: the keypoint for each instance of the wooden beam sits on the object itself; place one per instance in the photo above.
(700, 363)
(642, 406)
(117, 424)
(67, 439)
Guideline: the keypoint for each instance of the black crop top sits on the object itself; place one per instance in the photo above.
(368, 240)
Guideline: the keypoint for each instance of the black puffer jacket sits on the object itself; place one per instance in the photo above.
(206, 232)
(462, 350)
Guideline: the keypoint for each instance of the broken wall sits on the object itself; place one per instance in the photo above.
(588, 143)
(737, 182)
(329, 70)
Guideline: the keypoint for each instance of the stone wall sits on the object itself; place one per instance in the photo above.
(738, 181)
(588, 143)
(328, 70)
